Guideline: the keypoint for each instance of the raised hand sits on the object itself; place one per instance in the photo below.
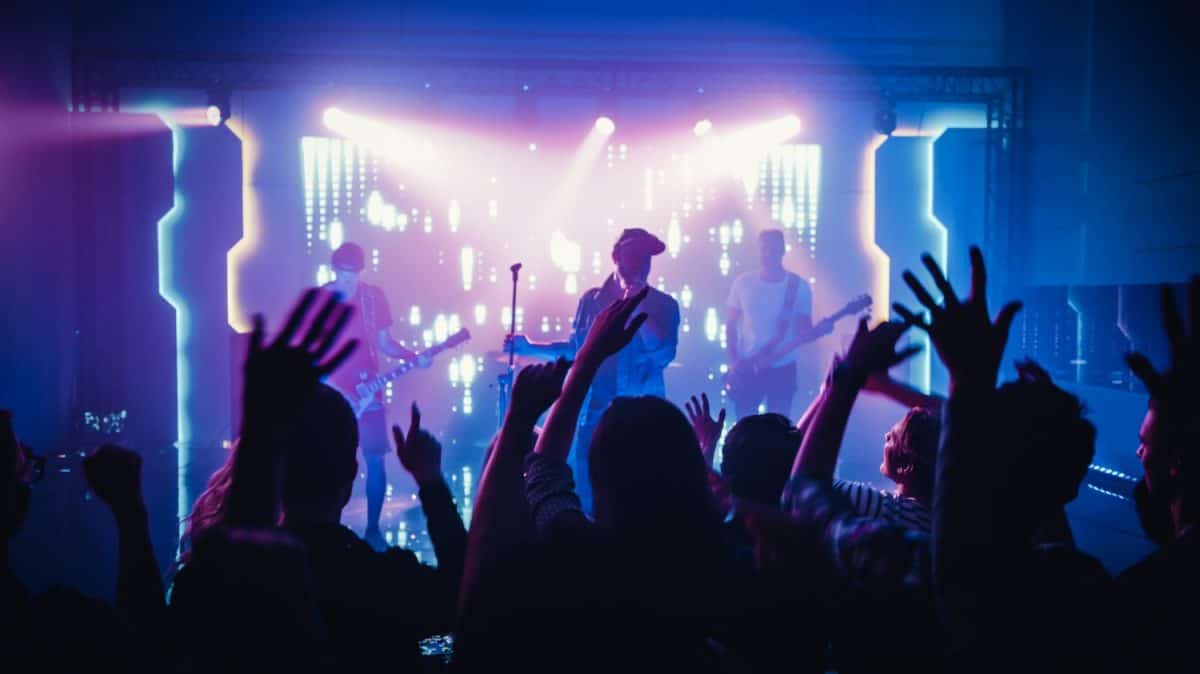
(613, 329)
(1171, 435)
(708, 430)
(114, 474)
(420, 453)
(537, 387)
(873, 350)
(966, 338)
(1181, 375)
(279, 374)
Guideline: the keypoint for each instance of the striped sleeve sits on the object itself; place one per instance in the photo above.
(910, 513)
(867, 500)
(550, 490)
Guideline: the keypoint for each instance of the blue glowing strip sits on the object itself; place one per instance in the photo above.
(1112, 472)
(1107, 492)
(941, 256)
(183, 322)
(1078, 362)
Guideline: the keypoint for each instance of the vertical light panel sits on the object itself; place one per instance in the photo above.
(880, 261)
(454, 215)
(674, 236)
(467, 266)
(322, 177)
(335, 179)
(247, 246)
(308, 151)
(337, 233)
(183, 324)
(941, 253)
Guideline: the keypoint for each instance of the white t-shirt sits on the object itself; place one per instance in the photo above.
(761, 305)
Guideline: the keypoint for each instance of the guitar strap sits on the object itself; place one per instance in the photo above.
(785, 312)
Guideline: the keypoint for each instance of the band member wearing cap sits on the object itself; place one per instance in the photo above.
(369, 324)
(638, 368)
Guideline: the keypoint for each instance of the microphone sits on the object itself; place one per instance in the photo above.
(514, 269)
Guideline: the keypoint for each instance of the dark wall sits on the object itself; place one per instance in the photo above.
(1114, 174)
(35, 223)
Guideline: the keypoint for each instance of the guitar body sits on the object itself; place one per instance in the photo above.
(367, 393)
(743, 373)
(362, 400)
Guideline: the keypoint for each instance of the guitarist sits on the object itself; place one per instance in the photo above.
(766, 307)
(370, 324)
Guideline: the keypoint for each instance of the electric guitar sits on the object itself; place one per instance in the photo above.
(365, 393)
(781, 345)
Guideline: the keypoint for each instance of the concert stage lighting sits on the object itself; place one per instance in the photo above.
(219, 106)
(759, 137)
(398, 143)
(605, 125)
(787, 126)
(702, 127)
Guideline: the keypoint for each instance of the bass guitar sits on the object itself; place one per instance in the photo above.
(768, 354)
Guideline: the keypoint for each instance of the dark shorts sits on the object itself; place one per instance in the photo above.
(373, 433)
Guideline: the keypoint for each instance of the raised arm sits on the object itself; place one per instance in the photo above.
(969, 545)
(521, 345)
(421, 455)
(501, 530)
(115, 476)
(611, 332)
(1169, 444)
(872, 350)
(279, 378)
(903, 394)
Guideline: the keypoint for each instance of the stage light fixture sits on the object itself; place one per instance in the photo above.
(219, 106)
(331, 116)
(791, 125)
(605, 125)
(702, 127)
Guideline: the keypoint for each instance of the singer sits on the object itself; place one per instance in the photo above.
(638, 368)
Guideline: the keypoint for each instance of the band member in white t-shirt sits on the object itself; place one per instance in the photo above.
(769, 313)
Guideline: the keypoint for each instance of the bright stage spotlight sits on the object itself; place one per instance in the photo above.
(398, 143)
(702, 127)
(219, 106)
(791, 125)
(332, 118)
(605, 125)
(740, 150)
(779, 130)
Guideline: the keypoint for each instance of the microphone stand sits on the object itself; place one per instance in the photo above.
(504, 382)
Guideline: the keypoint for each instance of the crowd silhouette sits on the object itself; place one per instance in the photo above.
(764, 563)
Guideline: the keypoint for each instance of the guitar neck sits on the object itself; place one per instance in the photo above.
(770, 353)
(402, 369)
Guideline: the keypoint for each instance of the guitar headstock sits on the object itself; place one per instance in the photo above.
(860, 303)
